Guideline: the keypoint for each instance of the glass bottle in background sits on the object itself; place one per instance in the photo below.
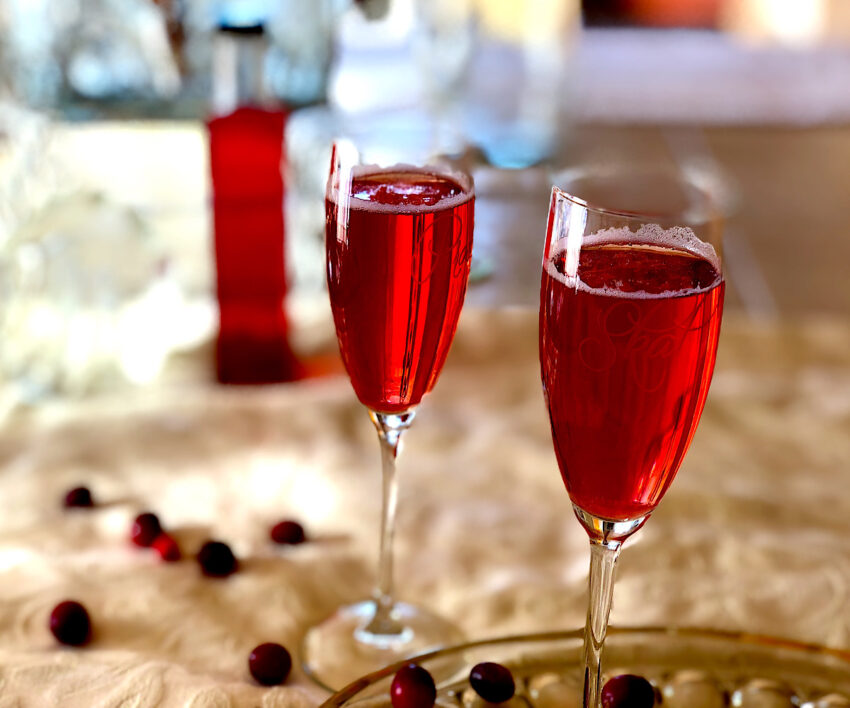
(246, 135)
(301, 49)
(501, 71)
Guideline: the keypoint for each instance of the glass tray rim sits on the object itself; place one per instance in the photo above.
(766, 641)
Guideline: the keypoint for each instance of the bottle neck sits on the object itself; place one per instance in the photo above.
(238, 70)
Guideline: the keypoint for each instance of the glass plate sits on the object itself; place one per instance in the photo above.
(689, 667)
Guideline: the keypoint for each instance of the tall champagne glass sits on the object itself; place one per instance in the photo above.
(398, 242)
(630, 307)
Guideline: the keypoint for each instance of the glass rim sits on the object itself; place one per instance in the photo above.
(345, 694)
(717, 203)
(347, 156)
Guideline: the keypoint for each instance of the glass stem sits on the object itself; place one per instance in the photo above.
(389, 427)
(603, 559)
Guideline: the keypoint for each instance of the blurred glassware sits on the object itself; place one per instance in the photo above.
(298, 59)
(373, 64)
(27, 178)
(85, 294)
(443, 42)
(301, 36)
(62, 53)
(503, 68)
(309, 134)
(153, 57)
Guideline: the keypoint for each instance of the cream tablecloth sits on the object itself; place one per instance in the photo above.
(755, 533)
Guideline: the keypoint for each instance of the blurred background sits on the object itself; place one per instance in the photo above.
(162, 162)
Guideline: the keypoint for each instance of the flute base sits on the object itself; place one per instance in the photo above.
(340, 649)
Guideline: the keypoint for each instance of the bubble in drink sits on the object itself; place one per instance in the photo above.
(404, 188)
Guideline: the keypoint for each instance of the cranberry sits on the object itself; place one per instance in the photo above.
(145, 529)
(492, 681)
(167, 548)
(413, 687)
(70, 623)
(290, 532)
(270, 664)
(216, 559)
(628, 691)
(79, 497)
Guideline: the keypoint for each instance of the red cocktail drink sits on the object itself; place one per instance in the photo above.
(398, 257)
(627, 348)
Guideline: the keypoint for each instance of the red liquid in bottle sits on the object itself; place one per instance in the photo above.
(246, 153)
(627, 351)
(397, 275)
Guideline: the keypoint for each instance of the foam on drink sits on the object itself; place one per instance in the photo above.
(404, 189)
(678, 239)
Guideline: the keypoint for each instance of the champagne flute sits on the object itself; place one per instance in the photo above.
(398, 242)
(630, 306)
